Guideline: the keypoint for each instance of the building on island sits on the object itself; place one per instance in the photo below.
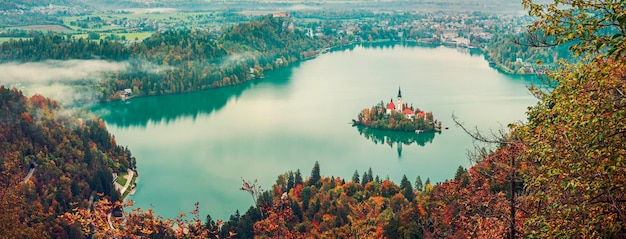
(390, 107)
(397, 107)
(407, 111)
(397, 115)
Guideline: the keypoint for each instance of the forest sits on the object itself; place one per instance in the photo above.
(52, 161)
(178, 61)
(560, 174)
(515, 56)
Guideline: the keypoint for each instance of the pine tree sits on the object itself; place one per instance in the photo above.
(355, 177)
(459, 172)
(290, 181)
(419, 186)
(315, 174)
(364, 179)
(407, 189)
(298, 178)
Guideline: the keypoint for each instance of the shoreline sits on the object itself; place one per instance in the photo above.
(321, 52)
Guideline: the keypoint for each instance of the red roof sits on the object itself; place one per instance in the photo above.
(391, 106)
(407, 111)
(421, 114)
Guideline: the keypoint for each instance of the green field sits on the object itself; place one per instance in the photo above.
(56, 28)
(179, 18)
(6, 39)
(139, 35)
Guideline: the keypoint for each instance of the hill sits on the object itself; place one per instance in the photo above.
(178, 61)
(52, 160)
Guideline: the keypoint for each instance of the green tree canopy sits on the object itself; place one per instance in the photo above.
(596, 26)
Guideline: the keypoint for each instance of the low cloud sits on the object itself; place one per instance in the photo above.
(237, 58)
(57, 71)
(59, 80)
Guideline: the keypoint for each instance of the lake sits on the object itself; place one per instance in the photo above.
(197, 147)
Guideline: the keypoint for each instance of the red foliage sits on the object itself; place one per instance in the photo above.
(297, 192)
(38, 101)
(27, 117)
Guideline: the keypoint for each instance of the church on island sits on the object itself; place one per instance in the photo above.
(397, 116)
(403, 108)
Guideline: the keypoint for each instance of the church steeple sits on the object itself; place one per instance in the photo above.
(399, 107)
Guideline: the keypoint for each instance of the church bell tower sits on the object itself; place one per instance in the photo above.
(399, 105)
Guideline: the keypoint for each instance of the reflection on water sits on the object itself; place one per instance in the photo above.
(167, 108)
(396, 138)
(196, 147)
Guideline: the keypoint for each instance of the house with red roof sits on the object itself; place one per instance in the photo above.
(390, 107)
(408, 112)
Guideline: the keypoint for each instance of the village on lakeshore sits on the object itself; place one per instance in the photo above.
(398, 116)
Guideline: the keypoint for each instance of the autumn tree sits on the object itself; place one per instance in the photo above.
(99, 223)
(51, 161)
(575, 135)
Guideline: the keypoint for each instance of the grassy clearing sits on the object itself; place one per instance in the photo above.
(121, 178)
(139, 35)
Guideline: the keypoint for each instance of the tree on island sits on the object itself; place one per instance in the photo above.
(412, 119)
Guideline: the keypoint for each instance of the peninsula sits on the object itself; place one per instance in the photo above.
(397, 116)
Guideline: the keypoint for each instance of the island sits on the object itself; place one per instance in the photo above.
(398, 117)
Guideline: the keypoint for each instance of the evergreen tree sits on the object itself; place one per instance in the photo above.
(297, 178)
(211, 225)
(297, 211)
(427, 181)
(306, 196)
(290, 181)
(355, 177)
(418, 184)
(315, 175)
(407, 189)
(459, 172)
(392, 228)
(364, 179)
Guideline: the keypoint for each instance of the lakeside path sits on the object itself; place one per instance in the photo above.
(129, 177)
(122, 190)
